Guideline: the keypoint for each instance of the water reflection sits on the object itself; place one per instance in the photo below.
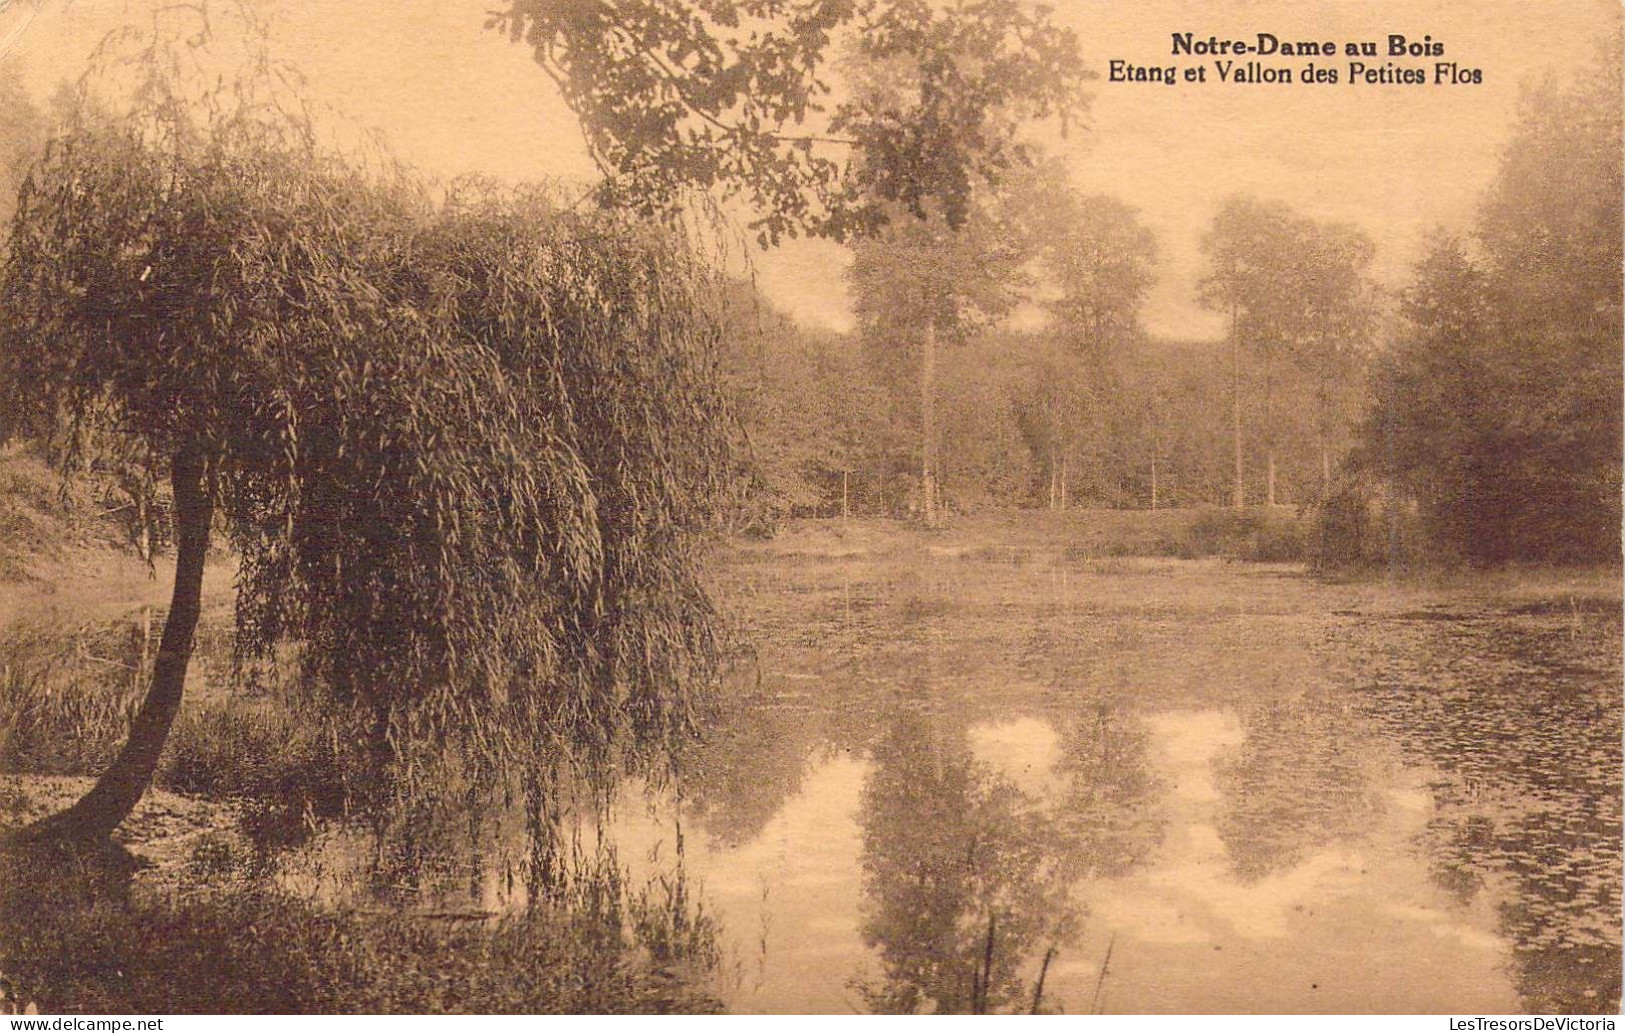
(1301, 777)
(1107, 809)
(750, 763)
(961, 878)
(1352, 925)
(1517, 716)
(949, 866)
(1379, 813)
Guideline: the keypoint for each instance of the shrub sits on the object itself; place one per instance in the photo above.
(283, 761)
(1276, 542)
(1252, 535)
(1361, 526)
(52, 723)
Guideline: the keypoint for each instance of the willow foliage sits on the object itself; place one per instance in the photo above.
(463, 448)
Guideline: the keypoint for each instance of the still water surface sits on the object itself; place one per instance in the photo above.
(1347, 926)
(969, 783)
(1195, 789)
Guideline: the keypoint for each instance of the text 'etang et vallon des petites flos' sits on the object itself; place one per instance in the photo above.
(1395, 60)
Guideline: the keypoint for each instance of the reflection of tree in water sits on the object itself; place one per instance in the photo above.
(1296, 782)
(441, 849)
(961, 878)
(1106, 813)
(752, 761)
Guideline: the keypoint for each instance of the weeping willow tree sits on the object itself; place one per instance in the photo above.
(463, 448)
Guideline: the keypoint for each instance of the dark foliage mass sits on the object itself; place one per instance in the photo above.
(77, 940)
(677, 95)
(462, 448)
(1499, 409)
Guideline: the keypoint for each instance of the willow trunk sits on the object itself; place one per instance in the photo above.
(121, 787)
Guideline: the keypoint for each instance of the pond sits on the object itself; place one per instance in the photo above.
(1164, 786)
(1012, 780)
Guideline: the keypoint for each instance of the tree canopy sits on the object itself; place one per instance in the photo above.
(1102, 259)
(1498, 407)
(1300, 300)
(461, 447)
(676, 95)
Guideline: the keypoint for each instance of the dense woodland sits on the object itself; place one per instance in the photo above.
(1480, 396)
(1473, 411)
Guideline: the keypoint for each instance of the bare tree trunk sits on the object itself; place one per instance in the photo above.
(1063, 482)
(980, 986)
(1153, 480)
(121, 787)
(1325, 439)
(1043, 970)
(928, 471)
(846, 498)
(1269, 424)
(1240, 498)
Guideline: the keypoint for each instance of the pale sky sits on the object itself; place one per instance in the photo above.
(454, 97)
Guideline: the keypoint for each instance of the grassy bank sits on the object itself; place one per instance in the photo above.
(78, 937)
(1256, 534)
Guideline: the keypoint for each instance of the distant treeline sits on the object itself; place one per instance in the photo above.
(1473, 415)
(1152, 430)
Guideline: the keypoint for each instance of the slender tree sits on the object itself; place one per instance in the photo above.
(1099, 261)
(1251, 278)
(919, 284)
(676, 95)
(1338, 306)
(1298, 296)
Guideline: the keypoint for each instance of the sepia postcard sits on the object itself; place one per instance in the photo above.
(809, 507)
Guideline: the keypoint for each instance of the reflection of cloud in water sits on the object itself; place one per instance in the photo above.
(1186, 743)
(1024, 750)
(786, 898)
(1351, 927)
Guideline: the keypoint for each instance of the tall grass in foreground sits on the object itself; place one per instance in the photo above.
(52, 724)
(79, 941)
(405, 929)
